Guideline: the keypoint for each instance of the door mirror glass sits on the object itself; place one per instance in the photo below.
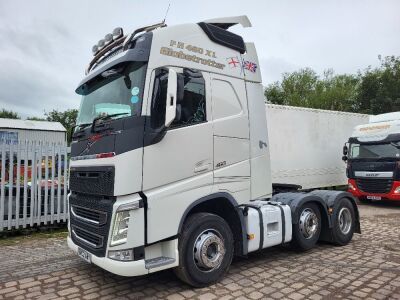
(345, 149)
(170, 105)
(344, 158)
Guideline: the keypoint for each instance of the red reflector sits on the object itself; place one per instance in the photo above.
(105, 155)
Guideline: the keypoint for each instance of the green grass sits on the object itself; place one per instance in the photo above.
(20, 236)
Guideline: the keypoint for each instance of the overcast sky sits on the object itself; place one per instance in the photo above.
(45, 45)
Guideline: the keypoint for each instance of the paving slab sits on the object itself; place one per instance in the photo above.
(369, 267)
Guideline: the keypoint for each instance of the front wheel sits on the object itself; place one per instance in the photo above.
(307, 229)
(205, 250)
(343, 222)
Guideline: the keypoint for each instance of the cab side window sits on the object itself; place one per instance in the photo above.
(191, 99)
(191, 102)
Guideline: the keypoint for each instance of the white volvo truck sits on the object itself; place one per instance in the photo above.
(171, 164)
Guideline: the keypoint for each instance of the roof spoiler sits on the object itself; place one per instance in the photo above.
(227, 22)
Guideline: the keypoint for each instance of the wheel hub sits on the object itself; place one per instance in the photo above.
(209, 250)
(345, 220)
(308, 223)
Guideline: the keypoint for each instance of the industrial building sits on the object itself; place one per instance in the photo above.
(13, 131)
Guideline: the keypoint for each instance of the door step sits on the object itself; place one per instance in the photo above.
(158, 262)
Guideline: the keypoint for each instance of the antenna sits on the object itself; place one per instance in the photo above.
(166, 14)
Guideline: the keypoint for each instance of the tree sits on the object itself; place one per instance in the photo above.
(373, 91)
(306, 89)
(36, 119)
(66, 118)
(8, 114)
(379, 90)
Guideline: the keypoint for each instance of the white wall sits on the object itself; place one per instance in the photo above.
(36, 135)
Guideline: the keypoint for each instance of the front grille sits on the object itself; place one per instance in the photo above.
(89, 215)
(90, 219)
(87, 237)
(92, 180)
(378, 186)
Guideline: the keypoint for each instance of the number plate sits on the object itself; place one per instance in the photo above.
(374, 198)
(86, 256)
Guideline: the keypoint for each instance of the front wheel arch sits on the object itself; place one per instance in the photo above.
(197, 268)
(226, 207)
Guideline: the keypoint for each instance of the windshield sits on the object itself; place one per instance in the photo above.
(117, 92)
(390, 150)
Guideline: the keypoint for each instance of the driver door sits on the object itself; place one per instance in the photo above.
(178, 169)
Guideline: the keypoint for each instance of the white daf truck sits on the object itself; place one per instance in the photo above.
(171, 164)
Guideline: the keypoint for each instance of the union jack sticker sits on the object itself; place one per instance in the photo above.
(248, 65)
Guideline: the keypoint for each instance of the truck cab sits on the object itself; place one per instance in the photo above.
(170, 163)
(373, 159)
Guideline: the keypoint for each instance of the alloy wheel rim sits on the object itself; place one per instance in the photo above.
(308, 223)
(345, 220)
(209, 250)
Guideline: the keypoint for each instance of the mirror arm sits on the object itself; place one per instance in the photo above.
(170, 109)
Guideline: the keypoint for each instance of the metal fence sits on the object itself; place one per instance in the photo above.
(33, 189)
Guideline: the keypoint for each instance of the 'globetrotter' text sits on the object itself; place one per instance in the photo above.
(180, 54)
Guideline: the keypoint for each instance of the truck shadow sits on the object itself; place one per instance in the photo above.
(378, 204)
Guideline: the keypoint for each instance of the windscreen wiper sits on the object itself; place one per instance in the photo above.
(106, 117)
(83, 126)
(395, 145)
(81, 129)
(103, 118)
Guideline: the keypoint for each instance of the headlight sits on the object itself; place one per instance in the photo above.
(121, 222)
(120, 228)
(397, 190)
(351, 187)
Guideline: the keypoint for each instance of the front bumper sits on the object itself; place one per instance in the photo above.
(391, 195)
(122, 268)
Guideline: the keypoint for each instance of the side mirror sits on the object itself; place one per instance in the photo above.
(345, 149)
(170, 107)
(344, 158)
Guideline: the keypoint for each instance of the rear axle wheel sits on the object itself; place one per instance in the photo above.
(307, 228)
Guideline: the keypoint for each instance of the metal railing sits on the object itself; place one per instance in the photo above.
(33, 185)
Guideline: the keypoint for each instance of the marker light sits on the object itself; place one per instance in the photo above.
(101, 44)
(108, 38)
(94, 156)
(95, 49)
(117, 32)
(105, 155)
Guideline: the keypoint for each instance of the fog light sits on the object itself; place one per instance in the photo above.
(121, 255)
(351, 187)
(117, 32)
(108, 38)
(95, 49)
(100, 44)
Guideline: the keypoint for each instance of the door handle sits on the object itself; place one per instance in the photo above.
(201, 168)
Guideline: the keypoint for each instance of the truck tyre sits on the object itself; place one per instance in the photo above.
(343, 222)
(307, 229)
(205, 250)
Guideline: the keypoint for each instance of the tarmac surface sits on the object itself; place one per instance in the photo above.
(367, 268)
